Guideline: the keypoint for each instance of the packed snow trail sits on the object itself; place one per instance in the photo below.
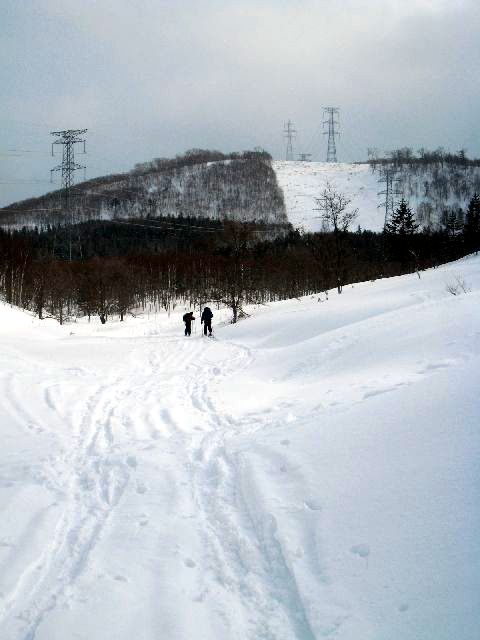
(312, 473)
(112, 423)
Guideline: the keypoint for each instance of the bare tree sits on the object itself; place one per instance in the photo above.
(337, 216)
(237, 286)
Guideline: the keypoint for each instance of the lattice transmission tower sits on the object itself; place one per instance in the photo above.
(330, 115)
(68, 139)
(390, 192)
(290, 133)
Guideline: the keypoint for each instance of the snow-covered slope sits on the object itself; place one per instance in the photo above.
(302, 182)
(430, 189)
(200, 184)
(310, 473)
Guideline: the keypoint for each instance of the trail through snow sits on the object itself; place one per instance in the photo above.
(311, 473)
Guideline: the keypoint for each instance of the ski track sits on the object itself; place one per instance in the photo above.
(109, 426)
(95, 482)
(241, 546)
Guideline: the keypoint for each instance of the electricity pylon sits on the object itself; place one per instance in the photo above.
(330, 114)
(391, 190)
(68, 166)
(290, 133)
(68, 139)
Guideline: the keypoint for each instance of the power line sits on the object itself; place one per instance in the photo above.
(167, 226)
(21, 151)
(173, 225)
(26, 181)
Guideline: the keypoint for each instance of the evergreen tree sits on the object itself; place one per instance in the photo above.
(452, 228)
(400, 231)
(452, 224)
(402, 221)
(471, 229)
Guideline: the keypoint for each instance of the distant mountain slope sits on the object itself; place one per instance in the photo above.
(249, 186)
(431, 187)
(206, 184)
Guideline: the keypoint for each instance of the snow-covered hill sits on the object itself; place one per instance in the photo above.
(302, 182)
(431, 190)
(200, 184)
(310, 473)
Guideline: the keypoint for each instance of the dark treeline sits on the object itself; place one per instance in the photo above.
(422, 157)
(122, 237)
(115, 269)
(198, 156)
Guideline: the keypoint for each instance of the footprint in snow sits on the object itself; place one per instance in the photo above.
(143, 520)
(362, 550)
(6, 543)
(404, 607)
(378, 392)
(141, 487)
(190, 563)
(312, 505)
(285, 443)
(434, 366)
(132, 462)
(34, 427)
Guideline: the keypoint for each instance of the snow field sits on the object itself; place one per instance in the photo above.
(311, 473)
(302, 182)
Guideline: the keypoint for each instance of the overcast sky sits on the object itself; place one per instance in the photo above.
(152, 78)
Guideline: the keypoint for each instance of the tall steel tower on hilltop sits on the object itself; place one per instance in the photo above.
(330, 122)
(68, 139)
(290, 133)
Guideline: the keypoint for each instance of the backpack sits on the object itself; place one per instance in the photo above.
(187, 317)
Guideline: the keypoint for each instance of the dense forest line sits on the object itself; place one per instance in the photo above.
(137, 235)
(114, 269)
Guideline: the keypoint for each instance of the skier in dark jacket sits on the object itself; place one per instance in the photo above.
(206, 319)
(188, 319)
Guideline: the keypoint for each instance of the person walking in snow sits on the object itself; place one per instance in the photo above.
(206, 320)
(188, 319)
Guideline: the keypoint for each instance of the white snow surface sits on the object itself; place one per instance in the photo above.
(312, 472)
(302, 182)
